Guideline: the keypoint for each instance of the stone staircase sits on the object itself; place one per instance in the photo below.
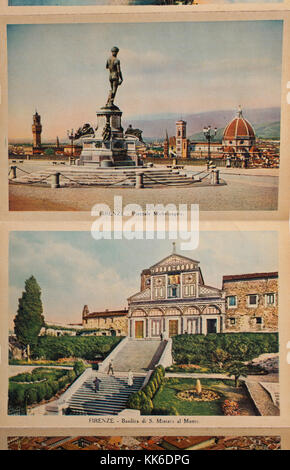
(139, 355)
(71, 177)
(109, 400)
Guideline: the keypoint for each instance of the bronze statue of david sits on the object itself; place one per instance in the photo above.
(115, 77)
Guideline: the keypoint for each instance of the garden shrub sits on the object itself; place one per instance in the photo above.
(30, 395)
(40, 384)
(55, 386)
(16, 395)
(71, 375)
(79, 368)
(198, 349)
(140, 401)
(148, 391)
(156, 380)
(85, 347)
(41, 391)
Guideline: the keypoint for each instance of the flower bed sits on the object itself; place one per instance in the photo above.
(231, 408)
(192, 395)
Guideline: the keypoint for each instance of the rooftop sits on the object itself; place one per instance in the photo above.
(107, 313)
(251, 276)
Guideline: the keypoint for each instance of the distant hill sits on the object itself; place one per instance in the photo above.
(269, 131)
(155, 126)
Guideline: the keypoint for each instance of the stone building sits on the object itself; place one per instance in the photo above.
(251, 302)
(110, 322)
(174, 299)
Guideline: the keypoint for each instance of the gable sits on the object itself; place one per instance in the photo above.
(174, 261)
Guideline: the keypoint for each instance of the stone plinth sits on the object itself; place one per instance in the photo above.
(109, 147)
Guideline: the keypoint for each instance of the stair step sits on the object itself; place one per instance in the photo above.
(110, 399)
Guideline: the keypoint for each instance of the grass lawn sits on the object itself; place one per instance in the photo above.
(167, 396)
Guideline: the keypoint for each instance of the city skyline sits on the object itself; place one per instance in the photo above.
(59, 69)
(73, 269)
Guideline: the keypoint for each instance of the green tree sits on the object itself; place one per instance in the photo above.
(49, 151)
(237, 368)
(220, 356)
(29, 319)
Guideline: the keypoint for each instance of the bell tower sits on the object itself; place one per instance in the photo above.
(36, 131)
(181, 140)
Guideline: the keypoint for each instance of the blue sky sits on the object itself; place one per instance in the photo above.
(59, 69)
(73, 269)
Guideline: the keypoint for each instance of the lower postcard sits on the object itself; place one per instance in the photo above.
(149, 443)
(135, 334)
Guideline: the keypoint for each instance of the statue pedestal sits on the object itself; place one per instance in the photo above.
(109, 147)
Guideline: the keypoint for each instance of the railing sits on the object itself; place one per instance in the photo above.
(166, 357)
(103, 366)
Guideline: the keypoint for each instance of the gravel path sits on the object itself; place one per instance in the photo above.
(240, 193)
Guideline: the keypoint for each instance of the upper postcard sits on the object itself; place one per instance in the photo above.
(188, 114)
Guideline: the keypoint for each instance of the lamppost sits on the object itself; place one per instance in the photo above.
(70, 135)
(209, 134)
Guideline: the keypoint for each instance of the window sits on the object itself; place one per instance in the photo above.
(252, 300)
(270, 299)
(158, 292)
(232, 301)
(232, 321)
(173, 291)
(189, 290)
(259, 320)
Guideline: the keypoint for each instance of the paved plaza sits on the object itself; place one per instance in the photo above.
(245, 189)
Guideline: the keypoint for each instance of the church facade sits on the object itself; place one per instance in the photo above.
(174, 299)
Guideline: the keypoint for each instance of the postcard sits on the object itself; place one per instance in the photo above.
(150, 113)
(133, 332)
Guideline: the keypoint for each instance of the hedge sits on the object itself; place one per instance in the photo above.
(52, 381)
(142, 400)
(84, 347)
(199, 349)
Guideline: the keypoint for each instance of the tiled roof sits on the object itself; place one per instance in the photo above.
(107, 313)
(185, 442)
(244, 277)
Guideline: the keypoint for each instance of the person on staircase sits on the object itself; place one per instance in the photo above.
(111, 368)
(130, 378)
(97, 382)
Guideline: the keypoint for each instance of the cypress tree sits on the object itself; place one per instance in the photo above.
(29, 319)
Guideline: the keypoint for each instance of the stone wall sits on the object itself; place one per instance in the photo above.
(117, 323)
(243, 317)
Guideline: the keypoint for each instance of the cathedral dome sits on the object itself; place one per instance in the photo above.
(239, 128)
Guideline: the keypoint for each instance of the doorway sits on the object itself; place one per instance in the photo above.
(139, 329)
(173, 328)
(211, 325)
